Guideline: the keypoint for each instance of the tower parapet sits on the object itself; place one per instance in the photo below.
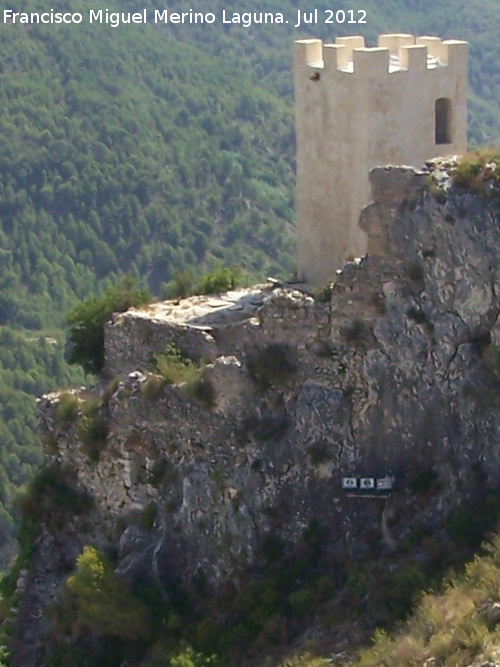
(347, 51)
(401, 102)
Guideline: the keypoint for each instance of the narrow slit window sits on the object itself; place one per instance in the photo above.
(442, 109)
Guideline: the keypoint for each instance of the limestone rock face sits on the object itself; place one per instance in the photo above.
(398, 373)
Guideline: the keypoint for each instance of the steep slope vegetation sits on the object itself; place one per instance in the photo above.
(457, 627)
(203, 505)
(121, 152)
(145, 160)
(150, 149)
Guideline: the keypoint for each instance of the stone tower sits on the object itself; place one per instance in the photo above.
(400, 103)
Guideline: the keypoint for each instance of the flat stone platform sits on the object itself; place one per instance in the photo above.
(205, 311)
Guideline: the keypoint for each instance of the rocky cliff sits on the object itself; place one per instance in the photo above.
(395, 370)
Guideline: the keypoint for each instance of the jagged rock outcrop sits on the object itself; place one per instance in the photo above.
(397, 373)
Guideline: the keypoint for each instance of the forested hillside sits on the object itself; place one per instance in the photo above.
(265, 49)
(147, 149)
(119, 160)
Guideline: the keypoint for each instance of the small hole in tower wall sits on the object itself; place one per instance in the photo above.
(315, 77)
(442, 109)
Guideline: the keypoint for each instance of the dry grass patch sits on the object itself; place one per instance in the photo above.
(176, 369)
(456, 627)
(477, 168)
(67, 408)
(152, 387)
(93, 429)
(188, 374)
(305, 660)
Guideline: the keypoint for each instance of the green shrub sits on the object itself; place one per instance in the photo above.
(166, 652)
(305, 660)
(152, 387)
(491, 356)
(161, 655)
(4, 656)
(416, 315)
(402, 588)
(188, 658)
(323, 294)
(176, 369)
(110, 390)
(181, 286)
(163, 473)
(93, 429)
(203, 391)
(67, 408)
(265, 427)
(319, 452)
(103, 605)
(91, 406)
(454, 627)
(354, 332)
(86, 322)
(52, 497)
(378, 302)
(474, 169)
(468, 524)
(437, 191)
(302, 601)
(416, 273)
(221, 279)
(272, 364)
(148, 516)
(423, 482)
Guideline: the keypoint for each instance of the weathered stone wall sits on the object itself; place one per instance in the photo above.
(394, 356)
(133, 340)
(205, 328)
(398, 373)
(221, 459)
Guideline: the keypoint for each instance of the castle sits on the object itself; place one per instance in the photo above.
(402, 102)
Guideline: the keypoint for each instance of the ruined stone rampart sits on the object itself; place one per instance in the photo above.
(396, 372)
(205, 328)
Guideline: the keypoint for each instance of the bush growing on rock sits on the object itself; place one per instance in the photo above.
(323, 294)
(416, 272)
(152, 387)
(181, 286)
(203, 391)
(96, 606)
(189, 658)
(86, 322)
(477, 168)
(436, 190)
(93, 429)
(355, 332)
(305, 660)
(176, 369)
(160, 655)
(319, 452)
(67, 408)
(52, 498)
(272, 364)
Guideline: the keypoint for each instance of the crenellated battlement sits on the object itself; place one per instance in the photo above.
(401, 103)
(394, 53)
